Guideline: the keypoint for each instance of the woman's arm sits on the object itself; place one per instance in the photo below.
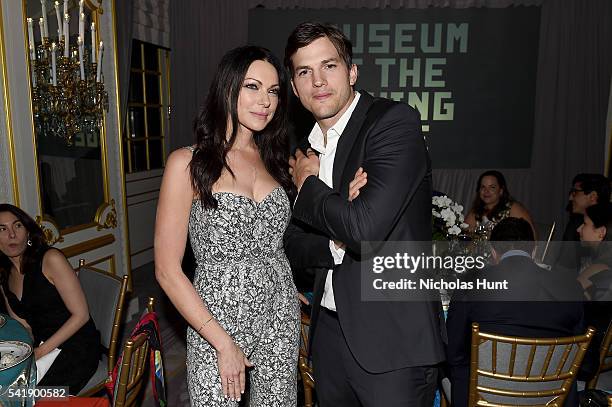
(171, 224)
(60, 273)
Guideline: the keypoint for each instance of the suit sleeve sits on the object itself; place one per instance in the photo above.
(305, 248)
(396, 162)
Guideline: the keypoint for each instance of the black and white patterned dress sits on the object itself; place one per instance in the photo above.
(244, 278)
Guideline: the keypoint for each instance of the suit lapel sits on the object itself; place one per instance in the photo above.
(349, 135)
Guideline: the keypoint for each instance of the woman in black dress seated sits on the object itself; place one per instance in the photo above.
(42, 291)
(493, 203)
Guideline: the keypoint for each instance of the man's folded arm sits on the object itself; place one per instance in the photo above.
(306, 248)
(396, 163)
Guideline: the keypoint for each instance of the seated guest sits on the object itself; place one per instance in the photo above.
(587, 190)
(540, 315)
(493, 203)
(595, 229)
(41, 290)
(596, 234)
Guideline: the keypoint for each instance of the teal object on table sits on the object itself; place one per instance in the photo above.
(22, 375)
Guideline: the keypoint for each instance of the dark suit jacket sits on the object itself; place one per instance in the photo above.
(545, 318)
(395, 205)
(570, 254)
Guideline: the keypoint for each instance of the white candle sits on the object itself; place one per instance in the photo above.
(80, 46)
(93, 43)
(32, 53)
(53, 67)
(66, 34)
(59, 20)
(43, 4)
(33, 75)
(80, 7)
(31, 34)
(99, 70)
(41, 26)
(82, 26)
(65, 6)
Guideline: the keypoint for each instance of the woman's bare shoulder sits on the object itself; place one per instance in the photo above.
(181, 155)
(55, 264)
(518, 210)
(54, 255)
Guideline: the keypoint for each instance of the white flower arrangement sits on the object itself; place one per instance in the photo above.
(447, 217)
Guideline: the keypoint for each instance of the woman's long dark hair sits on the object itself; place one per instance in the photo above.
(211, 125)
(478, 206)
(33, 253)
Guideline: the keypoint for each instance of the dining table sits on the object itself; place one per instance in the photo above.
(17, 379)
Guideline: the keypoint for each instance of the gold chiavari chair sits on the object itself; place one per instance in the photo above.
(510, 371)
(303, 365)
(131, 376)
(105, 294)
(605, 358)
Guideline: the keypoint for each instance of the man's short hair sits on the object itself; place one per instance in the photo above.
(306, 33)
(594, 182)
(512, 234)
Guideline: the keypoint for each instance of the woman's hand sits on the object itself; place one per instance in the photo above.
(361, 178)
(232, 363)
(39, 352)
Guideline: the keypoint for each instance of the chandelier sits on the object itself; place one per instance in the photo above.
(68, 95)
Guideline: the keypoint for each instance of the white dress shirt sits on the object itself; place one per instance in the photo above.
(327, 154)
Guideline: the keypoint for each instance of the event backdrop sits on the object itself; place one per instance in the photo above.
(469, 72)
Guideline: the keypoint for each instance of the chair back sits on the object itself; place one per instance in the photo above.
(132, 368)
(303, 365)
(507, 370)
(605, 358)
(132, 371)
(105, 294)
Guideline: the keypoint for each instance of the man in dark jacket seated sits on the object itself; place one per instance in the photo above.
(530, 306)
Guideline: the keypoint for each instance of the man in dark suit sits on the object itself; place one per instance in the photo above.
(364, 353)
(537, 304)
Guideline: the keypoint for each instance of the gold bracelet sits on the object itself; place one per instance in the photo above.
(204, 324)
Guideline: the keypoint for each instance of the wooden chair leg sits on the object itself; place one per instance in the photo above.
(443, 401)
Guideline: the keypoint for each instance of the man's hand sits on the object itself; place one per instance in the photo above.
(339, 245)
(303, 166)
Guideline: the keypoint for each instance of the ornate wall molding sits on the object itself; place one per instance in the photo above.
(106, 216)
(50, 230)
